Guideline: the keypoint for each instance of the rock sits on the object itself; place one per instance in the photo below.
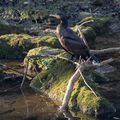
(15, 46)
(89, 34)
(99, 24)
(54, 80)
(41, 63)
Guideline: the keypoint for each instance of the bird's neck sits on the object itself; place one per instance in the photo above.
(64, 23)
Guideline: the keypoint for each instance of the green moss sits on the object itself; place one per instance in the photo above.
(87, 101)
(56, 76)
(48, 40)
(24, 14)
(15, 45)
(55, 79)
(40, 62)
(89, 34)
(99, 23)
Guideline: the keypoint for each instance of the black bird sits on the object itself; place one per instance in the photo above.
(70, 41)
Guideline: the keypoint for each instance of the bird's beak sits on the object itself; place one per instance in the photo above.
(56, 16)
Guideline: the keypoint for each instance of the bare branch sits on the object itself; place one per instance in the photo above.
(24, 77)
(107, 50)
(16, 71)
(87, 83)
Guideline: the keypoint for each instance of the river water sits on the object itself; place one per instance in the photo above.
(26, 105)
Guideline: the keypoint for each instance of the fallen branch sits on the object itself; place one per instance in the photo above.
(104, 51)
(75, 77)
(29, 76)
(25, 74)
(69, 90)
(87, 83)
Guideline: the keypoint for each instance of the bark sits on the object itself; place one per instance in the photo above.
(70, 86)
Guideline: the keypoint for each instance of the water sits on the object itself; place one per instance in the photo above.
(26, 104)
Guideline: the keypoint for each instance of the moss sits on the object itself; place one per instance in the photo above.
(56, 76)
(40, 62)
(89, 34)
(24, 14)
(87, 101)
(55, 79)
(99, 23)
(48, 40)
(16, 45)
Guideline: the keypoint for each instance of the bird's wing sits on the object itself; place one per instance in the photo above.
(73, 35)
(71, 42)
(74, 46)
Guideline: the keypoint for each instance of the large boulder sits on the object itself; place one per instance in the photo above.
(54, 80)
(16, 46)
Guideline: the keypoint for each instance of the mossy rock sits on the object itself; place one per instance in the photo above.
(17, 45)
(47, 40)
(54, 81)
(89, 103)
(89, 34)
(14, 45)
(99, 24)
(41, 63)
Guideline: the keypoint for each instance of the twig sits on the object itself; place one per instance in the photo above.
(87, 83)
(25, 73)
(82, 36)
(29, 76)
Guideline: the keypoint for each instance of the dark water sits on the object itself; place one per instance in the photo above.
(26, 104)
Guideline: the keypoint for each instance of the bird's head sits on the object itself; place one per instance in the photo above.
(62, 18)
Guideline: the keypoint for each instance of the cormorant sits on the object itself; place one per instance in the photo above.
(70, 41)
